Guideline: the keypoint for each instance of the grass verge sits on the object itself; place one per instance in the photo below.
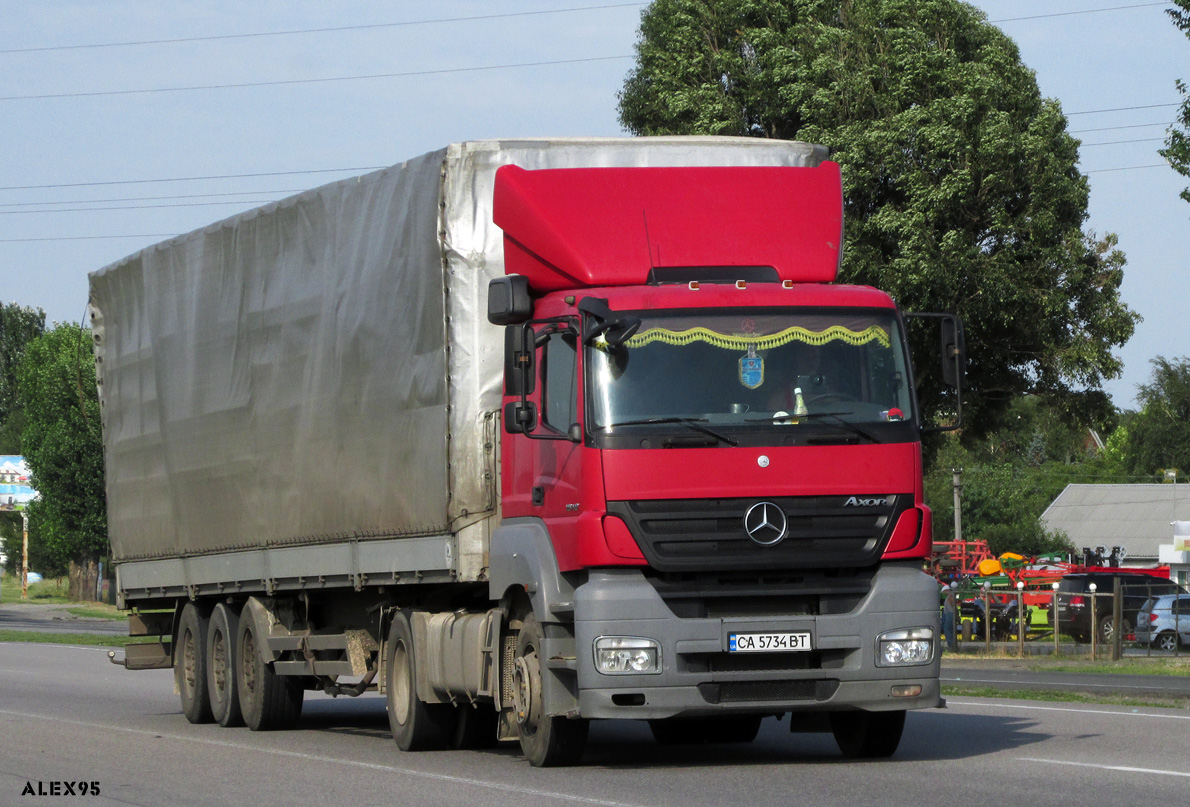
(1140, 666)
(1065, 697)
(47, 592)
(98, 611)
(1130, 665)
(96, 639)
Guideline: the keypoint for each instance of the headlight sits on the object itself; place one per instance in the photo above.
(627, 655)
(902, 648)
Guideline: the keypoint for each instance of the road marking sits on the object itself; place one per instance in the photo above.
(1068, 684)
(438, 777)
(1124, 768)
(997, 705)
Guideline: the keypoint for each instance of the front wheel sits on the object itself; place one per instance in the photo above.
(867, 735)
(546, 740)
(416, 725)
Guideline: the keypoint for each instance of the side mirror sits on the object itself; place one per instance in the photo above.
(520, 375)
(954, 353)
(575, 433)
(520, 418)
(953, 358)
(509, 302)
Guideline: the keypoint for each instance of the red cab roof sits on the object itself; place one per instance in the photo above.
(581, 227)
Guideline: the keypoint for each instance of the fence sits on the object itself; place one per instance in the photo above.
(1033, 620)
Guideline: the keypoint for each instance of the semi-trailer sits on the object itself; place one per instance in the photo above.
(522, 434)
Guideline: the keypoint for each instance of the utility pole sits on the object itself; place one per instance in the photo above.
(958, 498)
(24, 555)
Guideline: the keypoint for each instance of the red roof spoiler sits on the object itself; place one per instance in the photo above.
(579, 227)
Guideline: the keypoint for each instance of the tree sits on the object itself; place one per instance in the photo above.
(961, 187)
(63, 447)
(1177, 138)
(1159, 434)
(45, 556)
(18, 325)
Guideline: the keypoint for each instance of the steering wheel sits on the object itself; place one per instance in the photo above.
(840, 397)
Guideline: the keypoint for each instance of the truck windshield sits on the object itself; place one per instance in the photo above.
(744, 370)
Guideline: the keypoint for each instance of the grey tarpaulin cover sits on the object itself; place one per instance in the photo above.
(322, 367)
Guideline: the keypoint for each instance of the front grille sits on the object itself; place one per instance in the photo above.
(769, 691)
(679, 535)
(762, 662)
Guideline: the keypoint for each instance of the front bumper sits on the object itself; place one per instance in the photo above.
(699, 677)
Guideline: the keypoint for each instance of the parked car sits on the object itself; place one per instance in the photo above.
(1164, 622)
(1074, 601)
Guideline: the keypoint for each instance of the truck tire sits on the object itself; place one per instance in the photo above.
(190, 664)
(546, 740)
(867, 735)
(695, 730)
(416, 725)
(221, 667)
(267, 701)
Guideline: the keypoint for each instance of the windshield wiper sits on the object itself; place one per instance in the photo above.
(693, 423)
(847, 424)
(834, 416)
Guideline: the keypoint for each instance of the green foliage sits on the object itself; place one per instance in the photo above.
(1001, 503)
(961, 186)
(46, 557)
(1012, 475)
(1158, 435)
(1177, 138)
(18, 325)
(63, 447)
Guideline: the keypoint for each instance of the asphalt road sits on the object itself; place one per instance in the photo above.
(66, 714)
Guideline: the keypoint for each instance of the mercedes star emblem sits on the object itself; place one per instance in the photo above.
(765, 523)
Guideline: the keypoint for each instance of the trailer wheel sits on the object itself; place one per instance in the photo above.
(695, 730)
(867, 735)
(221, 667)
(547, 741)
(267, 701)
(190, 664)
(416, 725)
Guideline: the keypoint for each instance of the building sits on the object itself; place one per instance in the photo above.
(1136, 517)
(1177, 553)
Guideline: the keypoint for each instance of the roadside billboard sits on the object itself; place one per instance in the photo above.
(15, 489)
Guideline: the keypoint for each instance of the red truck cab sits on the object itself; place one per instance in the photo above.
(711, 457)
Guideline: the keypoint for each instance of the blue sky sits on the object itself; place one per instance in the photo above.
(85, 144)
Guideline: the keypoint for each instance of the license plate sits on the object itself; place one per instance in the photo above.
(768, 642)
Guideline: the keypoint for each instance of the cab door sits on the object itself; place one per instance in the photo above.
(556, 494)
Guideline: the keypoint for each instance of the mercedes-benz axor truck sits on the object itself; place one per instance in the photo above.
(522, 434)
